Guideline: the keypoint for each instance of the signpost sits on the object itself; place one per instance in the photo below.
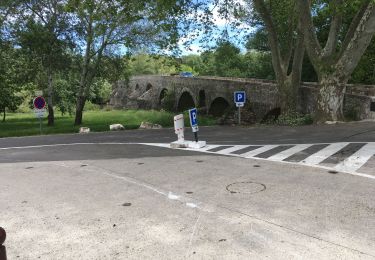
(179, 128)
(39, 109)
(239, 99)
(193, 114)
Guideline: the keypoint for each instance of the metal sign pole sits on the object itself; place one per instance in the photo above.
(239, 115)
(40, 125)
(196, 136)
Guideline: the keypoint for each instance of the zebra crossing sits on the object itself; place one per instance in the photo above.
(347, 157)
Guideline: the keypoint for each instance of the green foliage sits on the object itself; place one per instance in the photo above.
(89, 106)
(101, 91)
(365, 71)
(258, 41)
(258, 65)
(98, 121)
(194, 62)
(26, 97)
(9, 100)
(227, 60)
(292, 118)
(64, 95)
(144, 64)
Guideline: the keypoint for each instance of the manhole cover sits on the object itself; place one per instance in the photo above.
(247, 187)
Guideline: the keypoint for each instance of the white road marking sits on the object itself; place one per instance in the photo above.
(350, 165)
(313, 160)
(232, 149)
(172, 196)
(289, 152)
(358, 159)
(56, 145)
(158, 145)
(191, 205)
(323, 154)
(260, 150)
(207, 147)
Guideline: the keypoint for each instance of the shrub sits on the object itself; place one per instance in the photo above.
(292, 118)
(89, 106)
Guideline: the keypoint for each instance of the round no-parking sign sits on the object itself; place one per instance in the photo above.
(39, 102)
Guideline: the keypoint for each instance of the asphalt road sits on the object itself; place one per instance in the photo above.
(353, 132)
(111, 198)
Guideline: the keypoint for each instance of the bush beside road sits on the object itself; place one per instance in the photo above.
(25, 124)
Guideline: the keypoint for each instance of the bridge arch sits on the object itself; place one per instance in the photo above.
(148, 87)
(163, 93)
(186, 101)
(218, 106)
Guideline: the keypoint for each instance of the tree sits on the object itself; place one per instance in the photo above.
(43, 34)
(142, 64)
(104, 25)
(208, 60)
(227, 59)
(365, 71)
(194, 62)
(8, 98)
(336, 60)
(285, 39)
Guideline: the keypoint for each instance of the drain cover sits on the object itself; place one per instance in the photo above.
(247, 187)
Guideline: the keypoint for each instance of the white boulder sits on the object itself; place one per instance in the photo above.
(116, 127)
(147, 125)
(84, 130)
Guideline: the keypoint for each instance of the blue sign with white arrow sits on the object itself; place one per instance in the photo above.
(193, 115)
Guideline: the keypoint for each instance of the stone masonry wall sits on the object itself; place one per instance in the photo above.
(146, 91)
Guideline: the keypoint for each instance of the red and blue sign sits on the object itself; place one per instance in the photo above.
(39, 102)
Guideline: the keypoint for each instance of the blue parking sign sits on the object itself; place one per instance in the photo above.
(193, 115)
(239, 97)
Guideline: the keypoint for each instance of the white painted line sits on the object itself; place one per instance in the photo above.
(55, 145)
(358, 159)
(207, 147)
(323, 154)
(232, 149)
(158, 145)
(289, 152)
(260, 150)
(268, 147)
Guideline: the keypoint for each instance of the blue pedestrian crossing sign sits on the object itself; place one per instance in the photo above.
(193, 115)
(240, 98)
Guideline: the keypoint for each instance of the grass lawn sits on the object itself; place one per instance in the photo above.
(22, 124)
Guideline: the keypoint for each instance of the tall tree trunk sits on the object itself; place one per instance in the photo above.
(81, 97)
(51, 115)
(4, 112)
(79, 110)
(288, 64)
(288, 93)
(330, 99)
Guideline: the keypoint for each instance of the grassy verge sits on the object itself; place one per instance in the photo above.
(98, 121)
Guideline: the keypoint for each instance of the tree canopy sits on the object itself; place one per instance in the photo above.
(75, 50)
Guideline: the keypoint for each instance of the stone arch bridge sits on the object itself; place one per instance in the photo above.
(214, 95)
